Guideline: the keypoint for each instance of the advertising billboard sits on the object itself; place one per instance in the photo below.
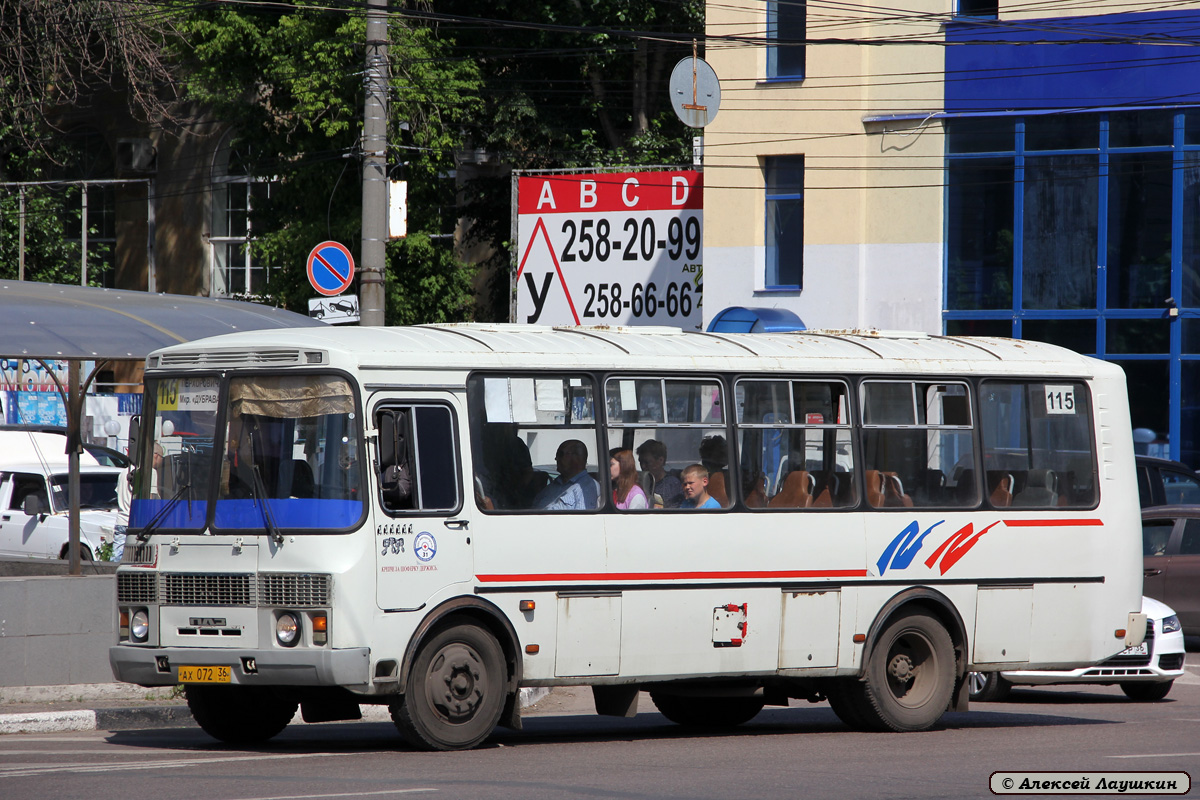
(610, 248)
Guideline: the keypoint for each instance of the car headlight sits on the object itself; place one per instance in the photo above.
(287, 629)
(139, 625)
(1170, 624)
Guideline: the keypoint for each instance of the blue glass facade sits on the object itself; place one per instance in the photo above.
(1073, 199)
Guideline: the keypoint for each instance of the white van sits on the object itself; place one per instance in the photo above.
(34, 503)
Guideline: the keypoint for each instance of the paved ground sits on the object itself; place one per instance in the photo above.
(115, 706)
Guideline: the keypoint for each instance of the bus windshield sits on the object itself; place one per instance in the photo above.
(268, 453)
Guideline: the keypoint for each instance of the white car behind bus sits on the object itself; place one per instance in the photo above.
(1145, 673)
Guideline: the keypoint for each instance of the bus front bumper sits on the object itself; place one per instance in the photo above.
(159, 666)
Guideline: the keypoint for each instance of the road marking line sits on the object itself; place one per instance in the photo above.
(340, 794)
(21, 772)
(1161, 755)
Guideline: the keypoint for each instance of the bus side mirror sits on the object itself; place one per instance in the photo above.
(135, 435)
(387, 439)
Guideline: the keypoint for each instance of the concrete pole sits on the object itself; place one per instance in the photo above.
(21, 240)
(74, 425)
(83, 223)
(375, 187)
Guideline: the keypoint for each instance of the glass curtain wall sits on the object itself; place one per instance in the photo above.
(1082, 230)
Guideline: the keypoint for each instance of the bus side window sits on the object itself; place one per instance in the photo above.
(418, 464)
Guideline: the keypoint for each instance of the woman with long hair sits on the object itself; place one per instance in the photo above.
(626, 492)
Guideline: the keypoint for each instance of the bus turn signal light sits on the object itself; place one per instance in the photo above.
(1119, 633)
(859, 638)
(532, 649)
(526, 605)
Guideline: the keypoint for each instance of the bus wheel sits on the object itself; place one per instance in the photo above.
(239, 714)
(707, 712)
(455, 691)
(987, 687)
(1146, 692)
(845, 698)
(909, 675)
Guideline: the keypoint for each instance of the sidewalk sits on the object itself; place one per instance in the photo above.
(120, 706)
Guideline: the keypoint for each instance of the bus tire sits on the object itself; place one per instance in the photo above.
(239, 714)
(455, 691)
(707, 712)
(909, 675)
(845, 698)
(1146, 692)
(988, 687)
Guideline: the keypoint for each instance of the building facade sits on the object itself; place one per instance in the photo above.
(963, 167)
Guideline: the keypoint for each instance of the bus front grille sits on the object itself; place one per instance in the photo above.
(293, 590)
(137, 587)
(207, 589)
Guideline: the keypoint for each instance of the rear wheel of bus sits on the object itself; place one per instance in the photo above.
(908, 678)
(239, 714)
(455, 691)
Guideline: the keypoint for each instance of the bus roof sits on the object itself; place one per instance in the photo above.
(511, 346)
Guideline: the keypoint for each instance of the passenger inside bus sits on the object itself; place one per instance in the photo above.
(627, 494)
(574, 488)
(660, 485)
(695, 488)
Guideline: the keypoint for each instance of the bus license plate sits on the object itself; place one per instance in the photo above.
(205, 674)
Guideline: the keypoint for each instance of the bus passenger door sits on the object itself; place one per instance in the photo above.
(422, 530)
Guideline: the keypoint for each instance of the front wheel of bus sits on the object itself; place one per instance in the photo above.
(707, 712)
(455, 691)
(239, 714)
(909, 675)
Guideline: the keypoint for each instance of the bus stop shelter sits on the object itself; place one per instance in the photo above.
(49, 322)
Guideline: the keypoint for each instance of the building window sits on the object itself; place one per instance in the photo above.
(785, 222)
(235, 193)
(92, 160)
(1080, 230)
(786, 29)
(988, 9)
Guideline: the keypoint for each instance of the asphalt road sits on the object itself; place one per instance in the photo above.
(797, 752)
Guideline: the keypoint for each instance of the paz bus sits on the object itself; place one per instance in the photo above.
(429, 518)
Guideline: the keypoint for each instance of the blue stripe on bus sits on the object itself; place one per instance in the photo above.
(307, 513)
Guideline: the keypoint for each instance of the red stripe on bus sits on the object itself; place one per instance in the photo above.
(650, 576)
(1051, 523)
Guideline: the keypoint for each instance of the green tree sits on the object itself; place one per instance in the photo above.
(56, 55)
(289, 79)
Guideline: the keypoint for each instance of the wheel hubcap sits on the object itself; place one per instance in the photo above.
(912, 670)
(457, 682)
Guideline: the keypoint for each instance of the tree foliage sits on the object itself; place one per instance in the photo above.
(290, 80)
(54, 54)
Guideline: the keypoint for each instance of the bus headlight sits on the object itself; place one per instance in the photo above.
(287, 629)
(139, 625)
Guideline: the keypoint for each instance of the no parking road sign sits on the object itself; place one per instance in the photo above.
(330, 268)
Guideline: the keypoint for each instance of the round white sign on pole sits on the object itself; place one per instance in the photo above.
(695, 92)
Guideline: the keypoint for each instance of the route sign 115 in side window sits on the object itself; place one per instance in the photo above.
(611, 249)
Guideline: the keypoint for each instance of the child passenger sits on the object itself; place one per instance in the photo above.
(626, 492)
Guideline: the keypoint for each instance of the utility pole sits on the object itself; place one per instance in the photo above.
(375, 187)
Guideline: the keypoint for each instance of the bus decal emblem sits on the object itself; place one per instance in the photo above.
(900, 553)
(425, 546)
(957, 546)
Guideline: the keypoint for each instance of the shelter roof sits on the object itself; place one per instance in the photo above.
(52, 321)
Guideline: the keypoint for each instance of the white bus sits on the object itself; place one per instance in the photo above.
(428, 518)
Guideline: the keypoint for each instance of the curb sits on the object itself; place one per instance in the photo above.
(177, 716)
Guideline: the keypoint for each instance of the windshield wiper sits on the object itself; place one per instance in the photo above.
(158, 518)
(259, 490)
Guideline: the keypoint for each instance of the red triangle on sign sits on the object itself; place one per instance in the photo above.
(541, 226)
